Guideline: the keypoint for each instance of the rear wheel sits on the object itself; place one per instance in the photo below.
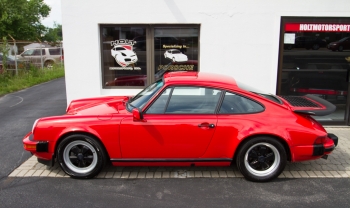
(261, 159)
(81, 156)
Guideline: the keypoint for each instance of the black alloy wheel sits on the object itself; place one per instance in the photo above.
(81, 156)
(261, 159)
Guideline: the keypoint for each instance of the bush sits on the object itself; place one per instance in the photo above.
(10, 82)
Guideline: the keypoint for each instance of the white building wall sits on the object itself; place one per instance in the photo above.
(237, 38)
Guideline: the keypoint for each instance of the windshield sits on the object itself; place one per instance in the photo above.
(341, 40)
(140, 100)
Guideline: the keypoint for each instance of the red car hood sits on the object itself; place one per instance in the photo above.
(98, 106)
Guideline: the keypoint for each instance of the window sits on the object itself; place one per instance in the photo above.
(236, 104)
(186, 100)
(37, 52)
(158, 106)
(55, 51)
(126, 52)
(313, 60)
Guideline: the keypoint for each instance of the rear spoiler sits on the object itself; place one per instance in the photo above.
(310, 104)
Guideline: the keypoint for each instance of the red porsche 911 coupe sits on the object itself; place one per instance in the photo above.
(185, 119)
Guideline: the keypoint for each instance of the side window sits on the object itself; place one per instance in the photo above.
(159, 105)
(193, 100)
(236, 104)
(55, 51)
(37, 52)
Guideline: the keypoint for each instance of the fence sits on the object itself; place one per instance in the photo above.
(24, 53)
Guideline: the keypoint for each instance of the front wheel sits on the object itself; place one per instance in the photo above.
(81, 156)
(261, 159)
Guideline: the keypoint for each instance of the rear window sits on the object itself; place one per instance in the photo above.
(55, 51)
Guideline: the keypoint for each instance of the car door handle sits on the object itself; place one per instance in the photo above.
(206, 125)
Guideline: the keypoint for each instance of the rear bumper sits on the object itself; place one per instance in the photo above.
(328, 147)
(315, 151)
(38, 148)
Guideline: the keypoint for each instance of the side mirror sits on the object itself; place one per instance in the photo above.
(137, 114)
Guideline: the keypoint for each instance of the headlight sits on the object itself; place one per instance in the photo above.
(34, 125)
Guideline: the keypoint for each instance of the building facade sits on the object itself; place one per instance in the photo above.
(283, 47)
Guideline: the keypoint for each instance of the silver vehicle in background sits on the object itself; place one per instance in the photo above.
(42, 56)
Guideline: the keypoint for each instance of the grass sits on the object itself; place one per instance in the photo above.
(10, 82)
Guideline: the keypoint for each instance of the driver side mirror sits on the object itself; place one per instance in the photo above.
(137, 114)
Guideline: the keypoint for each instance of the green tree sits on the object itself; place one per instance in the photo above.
(53, 35)
(21, 18)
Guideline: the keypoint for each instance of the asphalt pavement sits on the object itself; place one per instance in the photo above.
(19, 110)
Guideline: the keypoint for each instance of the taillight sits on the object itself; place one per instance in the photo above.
(320, 140)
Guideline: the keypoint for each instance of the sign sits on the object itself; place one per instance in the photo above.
(289, 38)
(122, 52)
(319, 27)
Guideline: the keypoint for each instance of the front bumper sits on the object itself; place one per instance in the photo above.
(34, 146)
(38, 148)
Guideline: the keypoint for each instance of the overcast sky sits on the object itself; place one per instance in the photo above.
(55, 14)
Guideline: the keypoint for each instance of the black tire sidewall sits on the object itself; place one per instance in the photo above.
(244, 148)
(101, 159)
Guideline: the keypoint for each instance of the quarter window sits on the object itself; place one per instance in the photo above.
(158, 106)
(236, 104)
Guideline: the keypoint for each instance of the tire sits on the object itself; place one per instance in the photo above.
(340, 48)
(48, 64)
(81, 156)
(289, 47)
(261, 159)
(315, 47)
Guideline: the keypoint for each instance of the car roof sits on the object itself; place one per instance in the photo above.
(200, 78)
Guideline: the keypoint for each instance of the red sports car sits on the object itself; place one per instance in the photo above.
(185, 119)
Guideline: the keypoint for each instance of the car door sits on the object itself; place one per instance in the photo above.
(179, 124)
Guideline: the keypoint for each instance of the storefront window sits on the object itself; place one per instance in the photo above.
(122, 64)
(176, 48)
(314, 59)
(127, 51)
